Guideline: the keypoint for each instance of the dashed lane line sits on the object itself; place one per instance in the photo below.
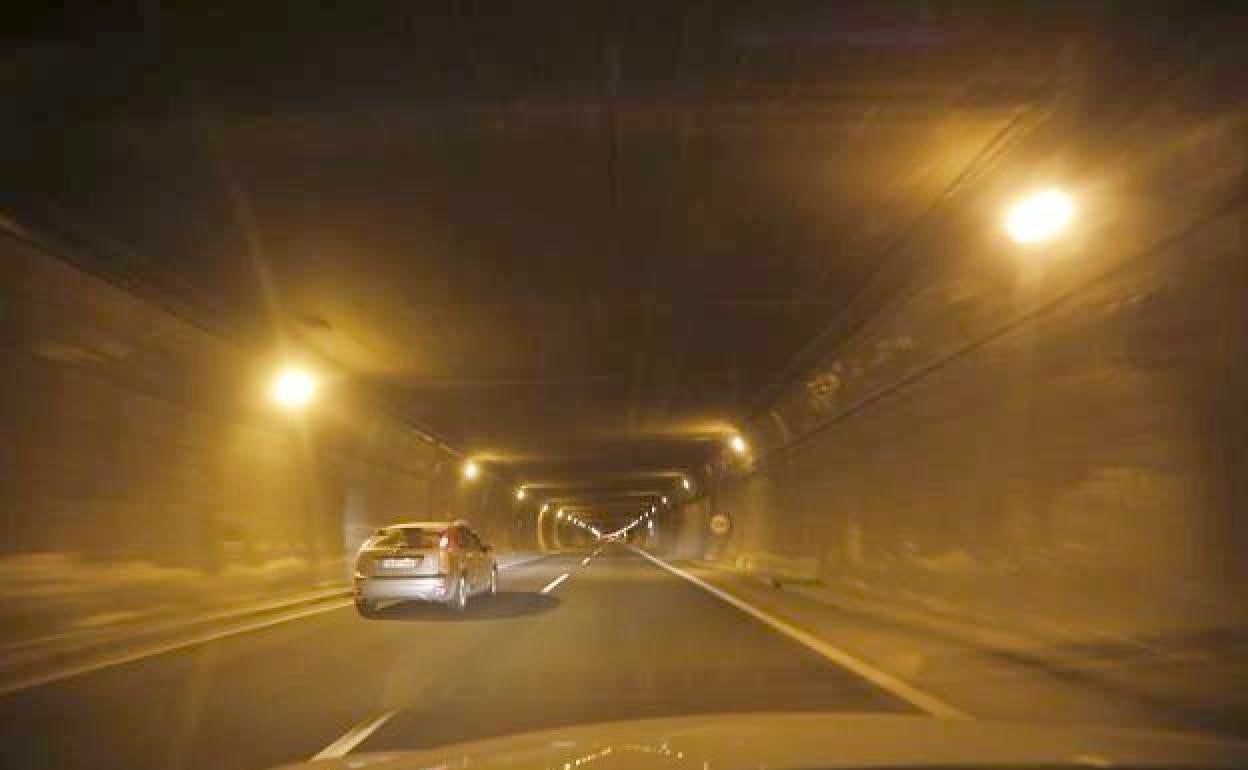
(353, 737)
(551, 585)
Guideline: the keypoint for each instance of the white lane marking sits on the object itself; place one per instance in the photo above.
(521, 562)
(358, 734)
(881, 679)
(551, 585)
(585, 561)
(120, 658)
(353, 737)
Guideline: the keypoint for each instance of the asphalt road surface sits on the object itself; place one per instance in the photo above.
(619, 638)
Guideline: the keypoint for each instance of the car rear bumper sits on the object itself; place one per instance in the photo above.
(434, 588)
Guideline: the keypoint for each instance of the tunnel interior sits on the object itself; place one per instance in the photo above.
(735, 276)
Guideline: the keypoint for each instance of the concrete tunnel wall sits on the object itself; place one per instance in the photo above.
(144, 466)
(1052, 438)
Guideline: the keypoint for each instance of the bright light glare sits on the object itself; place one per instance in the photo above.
(665, 500)
(1040, 216)
(471, 470)
(520, 493)
(685, 483)
(293, 388)
(738, 445)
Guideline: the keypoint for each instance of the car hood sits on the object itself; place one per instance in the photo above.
(732, 741)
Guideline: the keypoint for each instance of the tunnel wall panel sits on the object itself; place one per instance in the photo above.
(143, 466)
(1057, 435)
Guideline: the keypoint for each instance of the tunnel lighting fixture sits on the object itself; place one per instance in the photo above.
(685, 483)
(1039, 216)
(293, 388)
(471, 470)
(665, 500)
(738, 445)
(521, 494)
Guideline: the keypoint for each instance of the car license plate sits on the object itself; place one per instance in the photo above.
(405, 563)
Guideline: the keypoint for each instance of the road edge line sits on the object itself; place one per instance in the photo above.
(882, 679)
(152, 649)
(122, 658)
(352, 738)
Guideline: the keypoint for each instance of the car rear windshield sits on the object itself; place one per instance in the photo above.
(410, 537)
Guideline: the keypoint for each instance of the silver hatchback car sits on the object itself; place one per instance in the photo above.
(441, 561)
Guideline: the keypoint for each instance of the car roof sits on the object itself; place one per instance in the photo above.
(428, 524)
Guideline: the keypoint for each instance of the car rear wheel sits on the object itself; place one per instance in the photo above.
(366, 608)
(459, 600)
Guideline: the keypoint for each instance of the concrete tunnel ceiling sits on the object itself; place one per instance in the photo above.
(579, 241)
